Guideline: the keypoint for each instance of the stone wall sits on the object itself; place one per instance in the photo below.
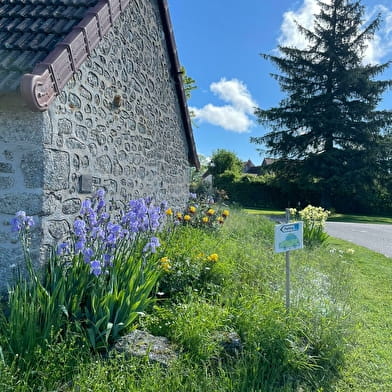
(116, 125)
(21, 177)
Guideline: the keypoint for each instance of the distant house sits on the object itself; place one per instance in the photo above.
(91, 96)
(267, 162)
(208, 180)
(250, 168)
(247, 165)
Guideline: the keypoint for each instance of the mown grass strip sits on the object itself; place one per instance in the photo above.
(359, 218)
(335, 217)
(265, 211)
(369, 363)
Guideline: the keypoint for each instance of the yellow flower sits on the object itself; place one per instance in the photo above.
(205, 219)
(165, 264)
(187, 218)
(225, 213)
(179, 215)
(292, 211)
(221, 220)
(213, 257)
(192, 209)
(210, 212)
(169, 211)
(350, 251)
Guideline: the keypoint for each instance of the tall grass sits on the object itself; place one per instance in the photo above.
(240, 290)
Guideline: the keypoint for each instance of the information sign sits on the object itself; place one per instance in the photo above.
(289, 236)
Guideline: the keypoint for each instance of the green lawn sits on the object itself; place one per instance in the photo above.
(335, 217)
(369, 362)
(263, 211)
(359, 218)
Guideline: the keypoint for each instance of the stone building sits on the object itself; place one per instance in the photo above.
(90, 96)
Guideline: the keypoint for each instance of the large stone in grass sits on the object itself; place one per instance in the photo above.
(230, 342)
(142, 344)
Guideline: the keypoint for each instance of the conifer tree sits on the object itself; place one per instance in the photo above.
(328, 128)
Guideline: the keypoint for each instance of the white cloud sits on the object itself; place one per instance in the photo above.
(227, 117)
(381, 45)
(236, 116)
(376, 49)
(234, 92)
(290, 36)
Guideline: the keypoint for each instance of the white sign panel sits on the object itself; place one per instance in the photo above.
(289, 236)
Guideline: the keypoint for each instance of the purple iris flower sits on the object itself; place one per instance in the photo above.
(20, 221)
(86, 204)
(111, 239)
(21, 215)
(16, 225)
(100, 194)
(107, 258)
(98, 233)
(79, 227)
(96, 268)
(101, 204)
(29, 221)
(63, 248)
(114, 228)
(87, 254)
(92, 218)
(152, 245)
(79, 245)
(103, 216)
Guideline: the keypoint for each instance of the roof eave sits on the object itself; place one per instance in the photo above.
(47, 79)
(177, 74)
(40, 88)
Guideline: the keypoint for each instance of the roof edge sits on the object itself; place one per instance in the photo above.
(40, 87)
(177, 74)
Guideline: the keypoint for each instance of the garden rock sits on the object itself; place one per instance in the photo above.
(142, 344)
(230, 342)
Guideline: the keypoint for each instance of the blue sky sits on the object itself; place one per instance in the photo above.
(219, 42)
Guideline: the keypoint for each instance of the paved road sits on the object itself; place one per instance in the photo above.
(373, 236)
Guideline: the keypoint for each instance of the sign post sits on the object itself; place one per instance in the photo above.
(288, 236)
(288, 280)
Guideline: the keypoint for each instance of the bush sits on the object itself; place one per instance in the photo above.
(314, 219)
(192, 262)
(200, 212)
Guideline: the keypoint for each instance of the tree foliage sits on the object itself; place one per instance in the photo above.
(188, 82)
(224, 161)
(328, 128)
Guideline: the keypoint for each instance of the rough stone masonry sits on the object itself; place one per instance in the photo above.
(116, 125)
